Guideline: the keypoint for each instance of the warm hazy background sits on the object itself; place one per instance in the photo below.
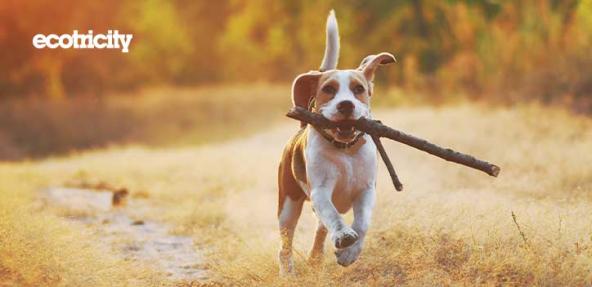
(499, 52)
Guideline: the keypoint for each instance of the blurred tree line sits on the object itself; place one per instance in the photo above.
(501, 50)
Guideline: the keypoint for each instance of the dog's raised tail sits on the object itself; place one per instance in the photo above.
(331, 45)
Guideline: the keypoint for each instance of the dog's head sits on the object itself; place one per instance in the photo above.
(340, 94)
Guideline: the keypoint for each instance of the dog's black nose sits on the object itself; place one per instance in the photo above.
(345, 107)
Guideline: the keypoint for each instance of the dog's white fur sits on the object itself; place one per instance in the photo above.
(329, 110)
(335, 180)
(331, 55)
(338, 180)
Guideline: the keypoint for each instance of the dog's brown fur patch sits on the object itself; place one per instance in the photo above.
(292, 169)
(356, 78)
(329, 78)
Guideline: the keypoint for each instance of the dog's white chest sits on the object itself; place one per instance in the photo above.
(349, 171)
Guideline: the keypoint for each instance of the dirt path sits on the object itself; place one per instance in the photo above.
(127, 233)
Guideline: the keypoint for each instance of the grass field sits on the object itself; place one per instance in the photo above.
(451, 225)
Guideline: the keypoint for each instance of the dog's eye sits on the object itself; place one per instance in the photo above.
(358, 89)
(328, 89)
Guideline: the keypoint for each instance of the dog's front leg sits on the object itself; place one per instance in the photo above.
(363, 206)
(341, 234)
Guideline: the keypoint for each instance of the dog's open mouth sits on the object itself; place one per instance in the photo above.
(344, 134)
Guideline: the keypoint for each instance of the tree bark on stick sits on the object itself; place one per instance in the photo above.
(375, 128)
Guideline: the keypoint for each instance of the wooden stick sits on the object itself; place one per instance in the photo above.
(389, 166)
(375, 128)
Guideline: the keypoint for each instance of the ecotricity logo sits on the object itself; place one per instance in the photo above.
(111, 40)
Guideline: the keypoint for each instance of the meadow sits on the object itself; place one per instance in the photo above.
(216, 183)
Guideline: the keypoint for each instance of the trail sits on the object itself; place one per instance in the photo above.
(127, 233)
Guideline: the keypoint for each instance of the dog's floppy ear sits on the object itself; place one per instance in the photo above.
(304, 89)
(370, 63)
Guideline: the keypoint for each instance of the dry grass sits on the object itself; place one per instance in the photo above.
(451, 225)
(38, 249)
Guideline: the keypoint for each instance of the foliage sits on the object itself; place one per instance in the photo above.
(498, 50)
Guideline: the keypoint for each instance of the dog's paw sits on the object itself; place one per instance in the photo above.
(286, 270)
(347, 256)
(286, 263)
(287, 273)
(344, 237)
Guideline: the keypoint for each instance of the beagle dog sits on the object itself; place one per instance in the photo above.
(334, 168)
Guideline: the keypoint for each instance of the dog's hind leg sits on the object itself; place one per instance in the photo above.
(288, 218)
(316, 252)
